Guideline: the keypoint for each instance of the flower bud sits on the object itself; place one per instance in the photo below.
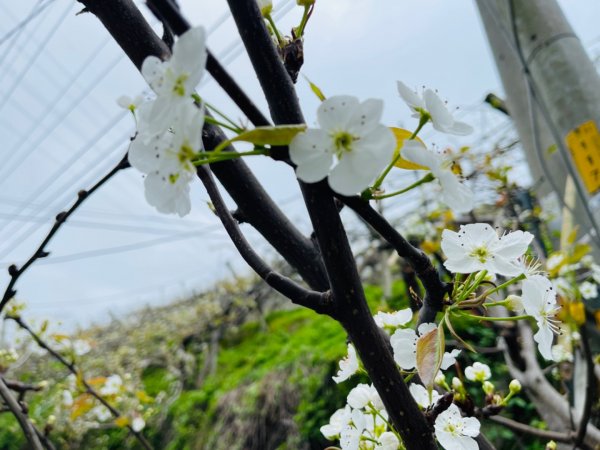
(440, 379)
(551, 445)
(515, 387)
(265, 6)
(488, 387)
(456, 384)
(515, 303)
(51, 419)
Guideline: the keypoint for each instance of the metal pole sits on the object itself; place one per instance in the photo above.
(553, 95)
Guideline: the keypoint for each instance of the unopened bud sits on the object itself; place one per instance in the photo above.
(456, 384)
(551, 445)
(51, 419)
(515, 303)
(440, 379)
(515, 386)
(265, 6)
(488, 387)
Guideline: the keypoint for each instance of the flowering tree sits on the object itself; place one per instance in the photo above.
(412, 403)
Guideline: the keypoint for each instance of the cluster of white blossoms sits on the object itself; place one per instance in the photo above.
(169, 131)
(477, 247)
(351, 148)
(362, 423)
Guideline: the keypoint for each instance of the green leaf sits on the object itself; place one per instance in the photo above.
(316, 90)
(277, 135)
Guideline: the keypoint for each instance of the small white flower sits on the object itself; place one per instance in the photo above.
(174, 80)
(478, 372)
(422, 397)
(441, 119)
(393, 320)
(129, 103)
(454, 194)
(112, 385)
(167, 160)
(101, 413)
(555, 260)
(337, 422)
(562, 353)
(455, 432)
(387, 441)
(67, 398)
(138, 424)
(81, 347)
(348, 365)
(364, 394)
(351, 147)
(539, 300)
(477, 247)
(404, 345)
(588, 290)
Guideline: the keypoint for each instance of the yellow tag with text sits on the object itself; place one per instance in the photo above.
(584, 144)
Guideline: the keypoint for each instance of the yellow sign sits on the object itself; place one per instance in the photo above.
(584, 144)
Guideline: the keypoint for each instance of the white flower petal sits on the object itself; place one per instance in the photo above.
(440, 116)
(335, 113)
(189, 56)
(404, 345)
(416, 152)
(410, 97)
(366, 117)
(153, 72)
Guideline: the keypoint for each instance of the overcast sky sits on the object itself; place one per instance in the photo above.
(61, 130)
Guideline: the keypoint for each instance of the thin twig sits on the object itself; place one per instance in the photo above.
(75, 371)
(15, 273)
(435, 289)
(319, 302)
(522, 428)
(16, 409)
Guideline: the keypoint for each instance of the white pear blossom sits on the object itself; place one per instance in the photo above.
(478, 372)
(337, 422)
(387, 441)
(173, 81)
(81, 347)
(393, 320)
(138, 424)
(454, 193)
(422, 397)
(101, 413)
(363, 395)
(112, 385)
(127, 102)
(441, 119)
(404, 345)
(167, 161)
(588, 290)
(348, 365)
(455, 432)
(539, 300)
(351, 147)
(478, 247)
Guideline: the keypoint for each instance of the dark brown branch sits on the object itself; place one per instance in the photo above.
(526, 429)
(351, 308)
(435, 289)
(590, 387)
(319, 302)
(15, 273)
(16, 409)
(120, 17)
(169, 13)
(71, 367)
(20, 387)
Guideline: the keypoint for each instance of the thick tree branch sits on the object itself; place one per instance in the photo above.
(16, 409)
(319, 302)
(435, 289)
(351, 307)
(120, 17)
(526, 429)
(71, 367)
(15, 273)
